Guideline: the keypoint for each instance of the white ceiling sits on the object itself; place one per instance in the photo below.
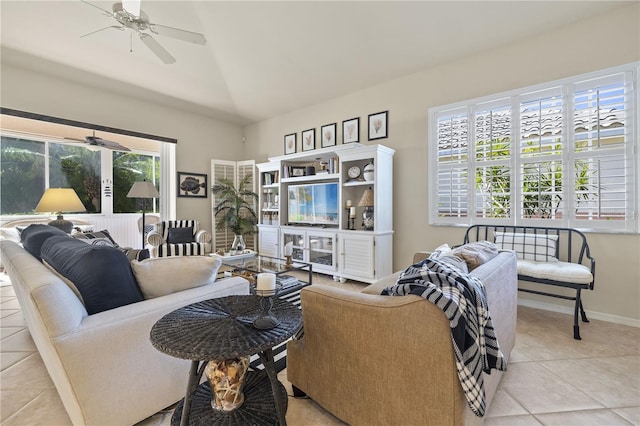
(264, 58)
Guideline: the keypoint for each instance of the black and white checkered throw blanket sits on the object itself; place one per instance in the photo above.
(463, 300)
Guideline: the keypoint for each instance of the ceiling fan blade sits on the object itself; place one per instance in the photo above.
(94, 140)
(155, 47)
(132, 6)
(75, 139)
(105, 11)
(176, 33)
(102, 29)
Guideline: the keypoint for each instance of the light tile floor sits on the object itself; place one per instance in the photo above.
(552, 378)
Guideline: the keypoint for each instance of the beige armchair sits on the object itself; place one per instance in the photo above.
(384, 360)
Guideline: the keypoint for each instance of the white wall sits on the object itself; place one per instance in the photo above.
(199, 138)
(608, 40)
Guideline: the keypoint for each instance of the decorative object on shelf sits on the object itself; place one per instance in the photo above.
(60, 200)
(367, 216)
(309, 140)
(351, 130)
(290, 144)
(354, 172)
(328, 135)
(309, 171)
(297, 171)
(378, 125)
(226, 378)
(143, 190)
(352, 218)
(368, 172)
(324, 166)
(192, 185)
(235, 209)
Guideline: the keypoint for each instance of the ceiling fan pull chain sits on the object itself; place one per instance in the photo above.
(131, 42)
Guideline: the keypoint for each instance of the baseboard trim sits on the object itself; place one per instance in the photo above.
(616, 319)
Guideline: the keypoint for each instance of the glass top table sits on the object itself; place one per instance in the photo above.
(285, 281)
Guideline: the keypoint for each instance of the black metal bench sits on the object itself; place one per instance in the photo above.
(571, 248)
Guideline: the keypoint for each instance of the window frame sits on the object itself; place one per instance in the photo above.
(567, 88)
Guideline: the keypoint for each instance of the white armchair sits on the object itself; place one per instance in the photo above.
(178, 238)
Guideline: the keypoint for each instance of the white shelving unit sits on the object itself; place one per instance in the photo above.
(349, 249)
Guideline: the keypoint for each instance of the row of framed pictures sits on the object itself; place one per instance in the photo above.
(377, 129)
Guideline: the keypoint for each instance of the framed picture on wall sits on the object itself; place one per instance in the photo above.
(193, 185)
(290, 144)
(328, 134)
(309, 140)
(378, 125)
(351, 130)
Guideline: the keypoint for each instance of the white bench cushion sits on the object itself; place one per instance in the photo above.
(558, 271)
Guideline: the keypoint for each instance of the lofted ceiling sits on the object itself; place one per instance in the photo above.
(267, 58)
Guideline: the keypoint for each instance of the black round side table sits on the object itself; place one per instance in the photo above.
(219, 329)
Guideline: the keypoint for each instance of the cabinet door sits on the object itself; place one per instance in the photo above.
(269, 243)
(298, 243)
(358, 255)
(322, 250)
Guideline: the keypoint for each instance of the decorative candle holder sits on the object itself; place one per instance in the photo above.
(288, 264)
(266, 320)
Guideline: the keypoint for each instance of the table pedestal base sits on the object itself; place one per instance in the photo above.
(258, 407)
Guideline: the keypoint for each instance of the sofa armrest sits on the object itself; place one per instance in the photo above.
(203, 236)
(392, 349)
(154, 239)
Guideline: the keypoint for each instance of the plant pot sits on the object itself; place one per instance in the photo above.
(238, 243)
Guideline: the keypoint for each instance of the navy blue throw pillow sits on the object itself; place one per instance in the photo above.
(33, 236)
(102, 274)
(180, 235)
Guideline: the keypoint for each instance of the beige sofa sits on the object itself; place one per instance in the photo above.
(384, 360)
(103, 365)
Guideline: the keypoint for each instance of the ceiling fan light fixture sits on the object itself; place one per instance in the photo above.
(132, 6)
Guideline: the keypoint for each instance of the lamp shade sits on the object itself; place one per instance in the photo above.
(367, 198)
(144, 189)
(60, 200)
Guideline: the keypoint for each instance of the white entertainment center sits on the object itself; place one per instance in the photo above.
(297, 203)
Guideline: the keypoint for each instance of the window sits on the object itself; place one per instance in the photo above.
(29, 166)
(561, 152)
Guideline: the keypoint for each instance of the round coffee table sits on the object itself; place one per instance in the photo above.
(219, 329)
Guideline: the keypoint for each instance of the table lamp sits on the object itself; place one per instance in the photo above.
(60, 200)
(367, 216)
(143, 190)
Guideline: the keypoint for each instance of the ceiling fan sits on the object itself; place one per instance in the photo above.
(97, 141)
(129, 15)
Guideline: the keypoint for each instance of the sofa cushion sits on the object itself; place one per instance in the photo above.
(538, 247)
(102, 274)
(165, 275)
(477, 253)
(100, 238)
(180, 235)
(557, 271)
(34, 236)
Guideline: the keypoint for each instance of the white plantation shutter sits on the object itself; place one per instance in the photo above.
(560, 153)
(541, 141)
(452, 131)
(492, 148)
(245, 168)
(233, 171)
(603, 112)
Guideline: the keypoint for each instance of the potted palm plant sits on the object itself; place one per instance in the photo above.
(234, 209)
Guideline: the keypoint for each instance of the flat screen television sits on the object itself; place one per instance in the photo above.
(313, 204)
